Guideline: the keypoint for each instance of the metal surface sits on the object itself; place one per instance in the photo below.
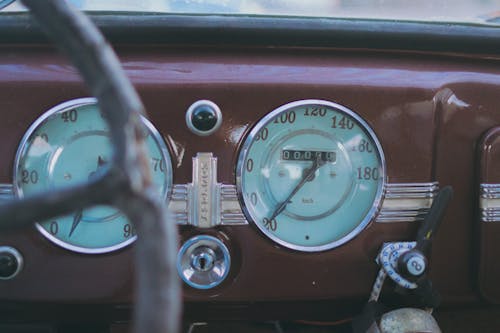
(203, 262)
(407, 202)
(5, 3)
(6, 193)
(205, 203)
(387, 259)
(408, 320)
(380, 187)
(204, 194)
(231, 213)
(489, 191)
(489, 202)
(19, 259)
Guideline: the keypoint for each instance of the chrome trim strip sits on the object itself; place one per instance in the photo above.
(489, 202)
(230, 209)
(6, 192)
(404, 202)
(490, 191)
(411, 190)
(407, 202)
(231, 213)
(490, 215)
(178, 203)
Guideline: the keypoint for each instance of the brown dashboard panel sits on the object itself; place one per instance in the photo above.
(427, 110)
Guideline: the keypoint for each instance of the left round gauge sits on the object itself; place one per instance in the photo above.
(69, 145)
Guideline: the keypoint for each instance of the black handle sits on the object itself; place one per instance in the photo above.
(413, 264)
(433, 219)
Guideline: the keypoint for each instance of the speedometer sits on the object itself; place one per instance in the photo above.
(68, 145)
(311, 175)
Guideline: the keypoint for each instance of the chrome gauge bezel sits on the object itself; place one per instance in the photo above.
(5, 3)
(249, 140)
(60, 108)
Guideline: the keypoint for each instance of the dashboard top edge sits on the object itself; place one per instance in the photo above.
(169, 65)
(270, 31)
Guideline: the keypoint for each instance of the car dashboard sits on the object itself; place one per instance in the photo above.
(427, 109)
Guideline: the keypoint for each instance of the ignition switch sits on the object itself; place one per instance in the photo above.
(203, 262)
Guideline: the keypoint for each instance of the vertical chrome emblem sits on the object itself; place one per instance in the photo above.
(204, 203)
(204, 194)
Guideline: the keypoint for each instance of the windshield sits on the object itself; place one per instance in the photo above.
(465, 11)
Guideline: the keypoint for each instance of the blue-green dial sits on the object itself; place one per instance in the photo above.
(311, 175)
(69, 145)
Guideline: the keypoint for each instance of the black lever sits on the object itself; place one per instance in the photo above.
(433, 219)
(413, 263)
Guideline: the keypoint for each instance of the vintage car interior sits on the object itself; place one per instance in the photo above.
(329, 167)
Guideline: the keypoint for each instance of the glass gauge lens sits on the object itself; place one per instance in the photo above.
(310, 175)
(68, 145)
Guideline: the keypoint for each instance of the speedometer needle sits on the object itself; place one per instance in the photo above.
(318, 163)
(76, 220)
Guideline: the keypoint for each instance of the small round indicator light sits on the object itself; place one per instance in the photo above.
(11, 262)
(203, 117)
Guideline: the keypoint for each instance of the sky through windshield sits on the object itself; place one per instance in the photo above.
(470, 11)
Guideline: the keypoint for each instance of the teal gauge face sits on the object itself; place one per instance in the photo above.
(311, 175)
(69, 145)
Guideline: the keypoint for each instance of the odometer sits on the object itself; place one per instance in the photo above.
(310, 175)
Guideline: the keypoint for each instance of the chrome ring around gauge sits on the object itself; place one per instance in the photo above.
(5, 3)
(311, 175)
(70, 144)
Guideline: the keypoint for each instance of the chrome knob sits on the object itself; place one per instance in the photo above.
(412, 264)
